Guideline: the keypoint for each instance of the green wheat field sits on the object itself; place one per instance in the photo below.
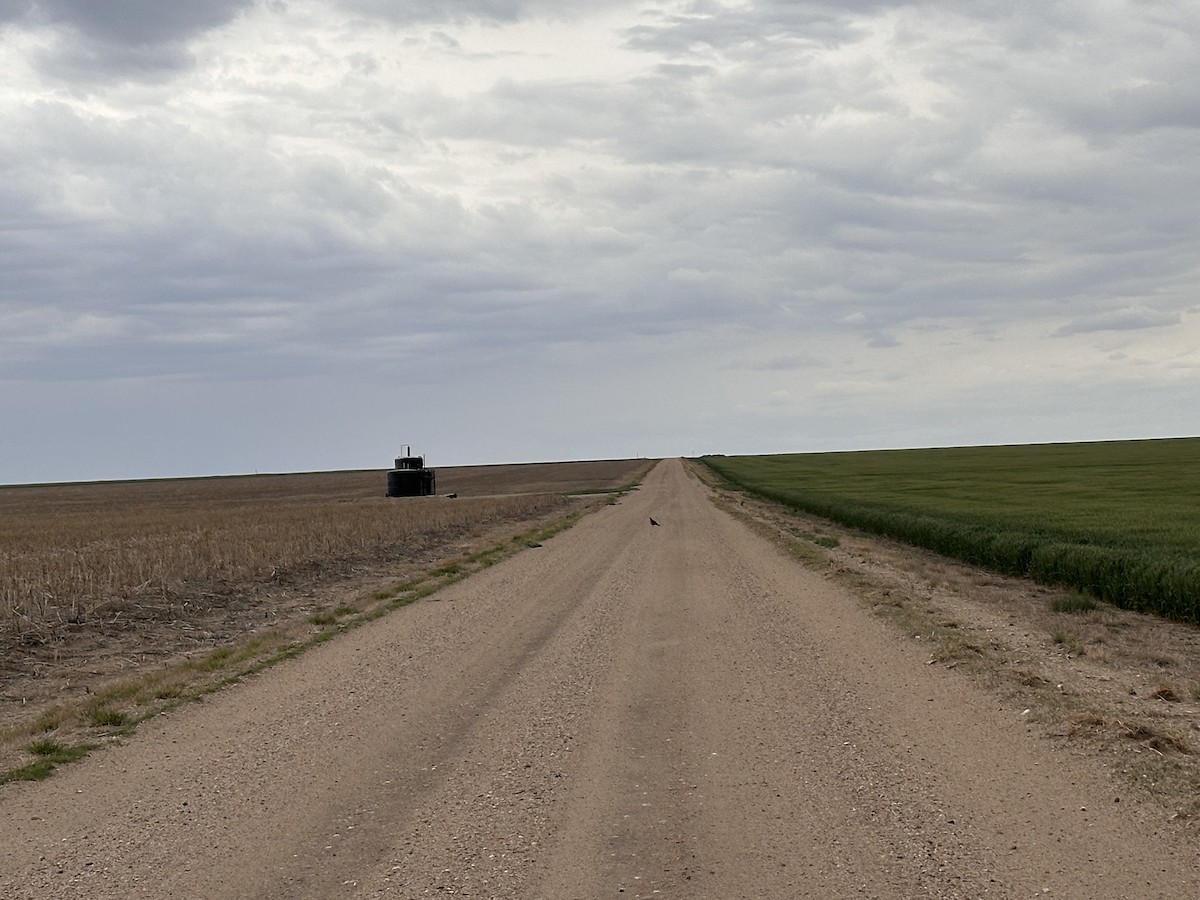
(1119, 520)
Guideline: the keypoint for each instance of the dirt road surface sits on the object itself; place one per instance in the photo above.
(629, 711)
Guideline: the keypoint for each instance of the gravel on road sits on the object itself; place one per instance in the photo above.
(628, 711)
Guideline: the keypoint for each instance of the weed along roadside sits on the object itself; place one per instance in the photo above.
(67, 730)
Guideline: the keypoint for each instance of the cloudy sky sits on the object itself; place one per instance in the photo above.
(281, 235)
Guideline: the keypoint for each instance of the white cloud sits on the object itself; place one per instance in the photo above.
(729, 201)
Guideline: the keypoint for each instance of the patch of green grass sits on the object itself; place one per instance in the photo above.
(487, 558)
(44, 766)
(1073, 603)
(828, 541)
(125, 690)
(214, 660)
(106, 718)
(1115, 520)
(45, 747)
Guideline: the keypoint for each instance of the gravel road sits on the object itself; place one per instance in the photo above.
(629, 711)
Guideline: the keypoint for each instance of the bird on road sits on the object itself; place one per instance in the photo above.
(652, 522)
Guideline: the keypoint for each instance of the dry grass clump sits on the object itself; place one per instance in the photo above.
(1164, 690)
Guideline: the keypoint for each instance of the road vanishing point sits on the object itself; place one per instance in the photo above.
(629, 711)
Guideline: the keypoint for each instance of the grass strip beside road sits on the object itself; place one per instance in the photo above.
(1118, 520)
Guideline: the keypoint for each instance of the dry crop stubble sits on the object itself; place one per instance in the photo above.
(70, 553)
(130, 597)
(65, 570)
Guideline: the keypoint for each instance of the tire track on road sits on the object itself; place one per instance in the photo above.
(629, 711)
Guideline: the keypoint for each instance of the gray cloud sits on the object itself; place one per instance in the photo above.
(762, 215)
(784, 363)
(129, 21)
(15, 10)
(1130, 318)
(119, 38)
(437, 12)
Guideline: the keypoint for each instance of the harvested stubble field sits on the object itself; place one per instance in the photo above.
(101, 583)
